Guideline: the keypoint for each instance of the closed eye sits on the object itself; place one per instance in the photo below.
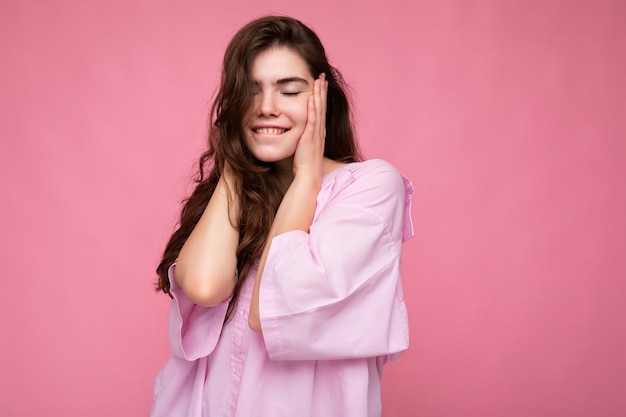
(290, 93)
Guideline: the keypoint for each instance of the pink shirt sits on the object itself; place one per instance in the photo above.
(332, 313)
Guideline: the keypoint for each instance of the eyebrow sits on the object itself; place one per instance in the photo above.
(288, 80)
(292, 80)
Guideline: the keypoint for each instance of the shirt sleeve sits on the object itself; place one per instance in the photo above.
(193, 329)
(335, 292)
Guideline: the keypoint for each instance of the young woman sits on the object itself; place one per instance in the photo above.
(284, 272)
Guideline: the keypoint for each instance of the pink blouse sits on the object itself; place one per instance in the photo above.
(332, 313)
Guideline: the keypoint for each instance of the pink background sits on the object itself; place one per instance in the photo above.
(509, 116)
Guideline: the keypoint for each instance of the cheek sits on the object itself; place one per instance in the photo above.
(299, 111)
(247, 116)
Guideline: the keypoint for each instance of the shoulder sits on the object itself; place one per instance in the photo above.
(374, 189)
(372, 181)
(380, 176)
(376, 169)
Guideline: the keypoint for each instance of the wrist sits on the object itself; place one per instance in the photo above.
(308, 179)
(225, 195)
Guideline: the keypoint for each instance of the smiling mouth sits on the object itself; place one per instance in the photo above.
(270, 130)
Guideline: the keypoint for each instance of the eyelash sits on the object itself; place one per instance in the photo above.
(287, 93)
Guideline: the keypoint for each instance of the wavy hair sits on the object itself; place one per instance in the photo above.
(255, 183)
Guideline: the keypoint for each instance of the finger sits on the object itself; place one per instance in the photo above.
(309, 128)
(324, 103)
(319, 107)
(317, 95)
(317, 103)
(324, 91)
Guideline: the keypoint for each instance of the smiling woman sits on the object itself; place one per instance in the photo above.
(284, 271)
(283, 85)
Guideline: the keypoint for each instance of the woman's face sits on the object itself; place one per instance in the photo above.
(282, 84)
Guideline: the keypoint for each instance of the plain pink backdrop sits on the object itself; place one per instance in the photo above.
(509, 116)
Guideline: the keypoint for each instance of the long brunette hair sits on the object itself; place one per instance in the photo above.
(258, 189)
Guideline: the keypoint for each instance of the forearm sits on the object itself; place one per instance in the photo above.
(296, 212)
(207, 262)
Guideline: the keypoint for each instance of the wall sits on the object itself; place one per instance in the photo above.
(508, 116)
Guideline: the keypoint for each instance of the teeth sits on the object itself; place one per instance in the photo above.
(270, 131)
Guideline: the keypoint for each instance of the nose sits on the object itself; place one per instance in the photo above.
(268, 106)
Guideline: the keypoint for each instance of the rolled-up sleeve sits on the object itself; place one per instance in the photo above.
(335, 292)
(193, 330)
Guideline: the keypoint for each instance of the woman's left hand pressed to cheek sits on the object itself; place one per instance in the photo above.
(310, 149)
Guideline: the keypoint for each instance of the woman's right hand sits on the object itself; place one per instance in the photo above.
(233, 200)
(207, 262)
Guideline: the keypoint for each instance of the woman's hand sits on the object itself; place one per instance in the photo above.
(310, 149)
(228, 182)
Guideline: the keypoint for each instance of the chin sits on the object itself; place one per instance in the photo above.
(269, 157)
(273, 158)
